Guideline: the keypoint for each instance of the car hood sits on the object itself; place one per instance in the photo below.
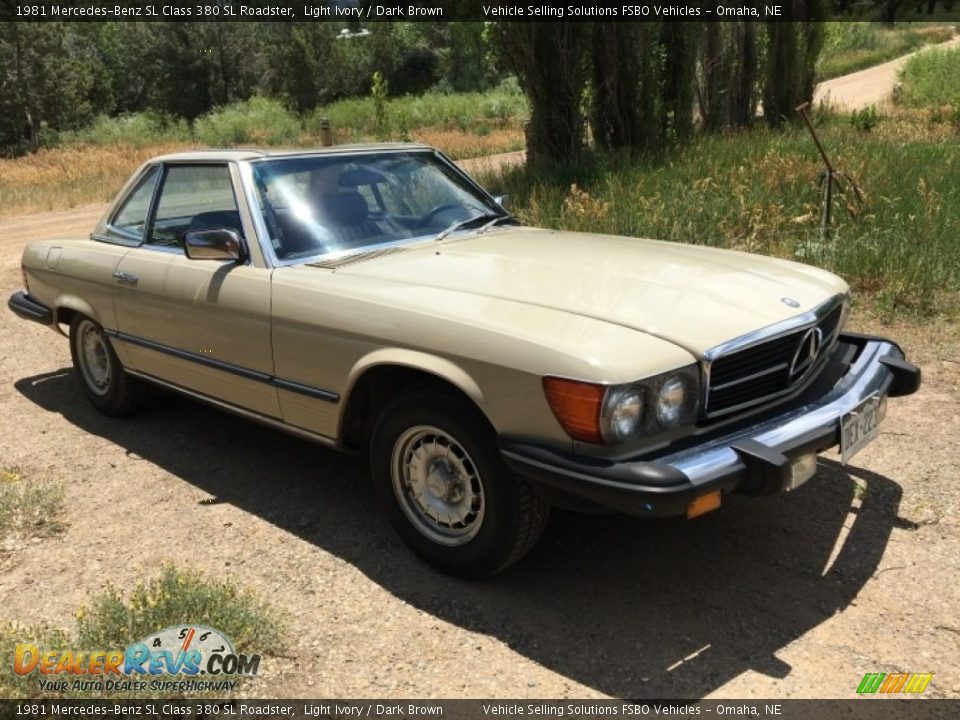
(695, 297)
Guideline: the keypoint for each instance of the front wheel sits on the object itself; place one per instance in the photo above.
(101, 375)
(440, 478)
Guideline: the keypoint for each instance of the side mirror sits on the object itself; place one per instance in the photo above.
(503, 201)
(219, 244)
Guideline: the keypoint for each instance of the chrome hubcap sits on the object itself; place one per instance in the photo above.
(94, 358)
(437, 485)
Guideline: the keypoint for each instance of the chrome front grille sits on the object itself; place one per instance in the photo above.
(754, 370)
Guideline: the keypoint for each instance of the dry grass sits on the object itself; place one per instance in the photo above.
(65, 177)
(459, 144)
(29, 508)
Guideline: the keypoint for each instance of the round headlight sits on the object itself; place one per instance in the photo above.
(671, 401)
(622, 412)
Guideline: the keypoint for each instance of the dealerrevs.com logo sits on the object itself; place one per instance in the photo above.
(894, 683)
(198, 657)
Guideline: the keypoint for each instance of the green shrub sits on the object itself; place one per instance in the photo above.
(137, 129)
(378, 91)
(503, 107)
(931, 79)
(257, 121)
(865, 119)
(24, 686)
(175, 597)
(110, 622)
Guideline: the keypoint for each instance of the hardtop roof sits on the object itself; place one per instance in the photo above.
(245, 154)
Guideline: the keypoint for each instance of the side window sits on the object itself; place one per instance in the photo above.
(130, 220)
(194, 197)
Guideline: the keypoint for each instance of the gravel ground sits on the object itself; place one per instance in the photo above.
(788, 596)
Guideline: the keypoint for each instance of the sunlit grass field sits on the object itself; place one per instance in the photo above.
(758, 191)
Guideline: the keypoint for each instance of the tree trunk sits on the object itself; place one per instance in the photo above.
(711, 95)
(743, 97)
(679, 74)
(782, 72)
(549, 60)
(615, 103)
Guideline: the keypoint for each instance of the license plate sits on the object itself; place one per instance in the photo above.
(859, 426)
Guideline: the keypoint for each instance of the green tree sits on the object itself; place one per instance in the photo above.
(680, 42)
(727, 92)
(299, 57)
(467, 66)
(643, 83)
(792, 51)
(549, 59)
(43, 85)
(622, 77)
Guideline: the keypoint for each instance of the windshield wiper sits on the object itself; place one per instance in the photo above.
(494, 221)
(470, 220)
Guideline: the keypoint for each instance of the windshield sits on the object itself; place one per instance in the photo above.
(348, 203)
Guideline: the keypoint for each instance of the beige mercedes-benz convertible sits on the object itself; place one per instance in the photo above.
(376, 299)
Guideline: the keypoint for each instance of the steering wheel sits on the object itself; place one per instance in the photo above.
(430, 214)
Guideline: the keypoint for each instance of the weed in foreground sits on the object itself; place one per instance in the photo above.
(174, 597)
(111, 621)
(28, 507)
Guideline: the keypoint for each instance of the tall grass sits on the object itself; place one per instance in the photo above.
(57, 178)
(931, 79)
(757, 191)
(852, 46)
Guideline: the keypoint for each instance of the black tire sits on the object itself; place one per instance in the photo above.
(507, 520)
(99, 371)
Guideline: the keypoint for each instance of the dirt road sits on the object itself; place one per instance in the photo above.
(789, 596)
(870, 86)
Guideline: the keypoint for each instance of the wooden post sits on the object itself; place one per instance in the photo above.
(326, 132)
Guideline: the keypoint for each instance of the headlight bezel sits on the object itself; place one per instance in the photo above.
(604, 400)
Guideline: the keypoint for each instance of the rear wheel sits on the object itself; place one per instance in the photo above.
(101, 375)
(440, 478)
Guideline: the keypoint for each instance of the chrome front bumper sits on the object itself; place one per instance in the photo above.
(752, 456)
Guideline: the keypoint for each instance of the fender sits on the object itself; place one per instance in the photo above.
(414, 359)
(72, 302)
(77, 304)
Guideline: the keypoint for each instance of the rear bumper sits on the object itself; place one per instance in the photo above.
(752, 456)
(29, 309)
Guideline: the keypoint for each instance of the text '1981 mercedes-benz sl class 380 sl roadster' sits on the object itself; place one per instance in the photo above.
(376, 299)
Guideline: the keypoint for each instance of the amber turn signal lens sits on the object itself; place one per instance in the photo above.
(576, 406)
(704, 504)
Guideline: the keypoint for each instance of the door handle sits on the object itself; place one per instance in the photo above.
(126, 278)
